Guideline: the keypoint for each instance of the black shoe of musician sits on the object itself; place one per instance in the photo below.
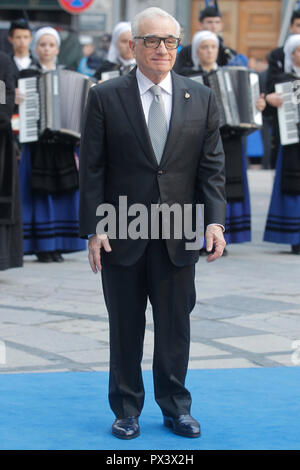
(44, 257)
(296, 249)
(56, 256)
(126, 428)
(184, 425)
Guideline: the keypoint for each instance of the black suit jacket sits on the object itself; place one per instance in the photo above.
(117, 159)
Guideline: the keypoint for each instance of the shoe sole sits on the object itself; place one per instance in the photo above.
(126, 438)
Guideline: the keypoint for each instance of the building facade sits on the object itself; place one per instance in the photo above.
(252, 27)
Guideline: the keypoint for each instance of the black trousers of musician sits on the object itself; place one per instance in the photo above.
(171, 291)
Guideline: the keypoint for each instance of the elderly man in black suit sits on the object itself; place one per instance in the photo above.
(152, 136)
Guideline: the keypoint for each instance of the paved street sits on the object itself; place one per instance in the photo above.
(53, 316)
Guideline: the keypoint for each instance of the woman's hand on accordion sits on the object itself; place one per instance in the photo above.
(274, 99)
(261, 102)
(19, 97)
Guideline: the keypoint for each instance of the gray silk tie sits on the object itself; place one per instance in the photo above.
(157, 123)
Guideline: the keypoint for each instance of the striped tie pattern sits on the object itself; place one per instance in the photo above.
(157, 123)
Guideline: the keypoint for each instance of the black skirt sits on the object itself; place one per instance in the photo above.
(290, 182)
(53, 165)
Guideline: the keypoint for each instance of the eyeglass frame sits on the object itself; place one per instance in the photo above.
(160, 39)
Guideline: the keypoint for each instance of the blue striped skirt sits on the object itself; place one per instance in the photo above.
(50, 222)
(283, 220)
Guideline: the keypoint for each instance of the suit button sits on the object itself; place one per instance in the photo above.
(160, 172)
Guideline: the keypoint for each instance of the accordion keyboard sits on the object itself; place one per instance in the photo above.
(287, 115)
(29, 110)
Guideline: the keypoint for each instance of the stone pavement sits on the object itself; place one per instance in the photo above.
(53, 316)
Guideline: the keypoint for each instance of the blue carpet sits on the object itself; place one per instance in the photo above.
(256, 408)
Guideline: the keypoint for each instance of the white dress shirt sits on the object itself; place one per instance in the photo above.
(145, 84)
(22, 62)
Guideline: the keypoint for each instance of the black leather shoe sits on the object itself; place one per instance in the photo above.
(57, 257)
(184, 425)
(44, 257)
(296, 249)
(126, 428)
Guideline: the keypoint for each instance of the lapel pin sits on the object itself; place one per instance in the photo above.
(187, 96)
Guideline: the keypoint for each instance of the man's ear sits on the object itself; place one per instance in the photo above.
(132, 46)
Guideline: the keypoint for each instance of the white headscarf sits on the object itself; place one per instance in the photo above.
(290, 45)
(113, 51)
(197, 39)
(46, 30)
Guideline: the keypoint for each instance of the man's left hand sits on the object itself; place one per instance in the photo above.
(214, 238)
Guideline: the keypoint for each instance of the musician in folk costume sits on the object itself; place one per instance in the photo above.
(119, 57)
(11, 251)
(49, 179)
(283, 220)
(210, 19)
(275, 69)
(205, 47)
(20, 37)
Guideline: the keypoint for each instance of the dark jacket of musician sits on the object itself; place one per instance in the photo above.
(119, 57)
(11, 250)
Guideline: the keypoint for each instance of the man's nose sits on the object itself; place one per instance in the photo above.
(162, 48)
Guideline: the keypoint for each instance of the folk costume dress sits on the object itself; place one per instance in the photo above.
(238, 210)
(49, 191)
(283, 219)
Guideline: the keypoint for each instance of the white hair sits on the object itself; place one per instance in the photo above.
(291, 44)
(152, 12)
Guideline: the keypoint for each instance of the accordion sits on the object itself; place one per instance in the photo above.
(237, 90)
(288, 113)
(54, 102)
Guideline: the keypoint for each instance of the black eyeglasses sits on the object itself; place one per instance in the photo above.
(153, 42)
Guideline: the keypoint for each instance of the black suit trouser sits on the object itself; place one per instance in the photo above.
(171, 291)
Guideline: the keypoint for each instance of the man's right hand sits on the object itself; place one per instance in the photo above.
(96, 242)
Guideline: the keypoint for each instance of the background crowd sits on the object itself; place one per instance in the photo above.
(39, 181)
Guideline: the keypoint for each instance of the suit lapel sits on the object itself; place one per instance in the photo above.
(131, 101)
(180, 97)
